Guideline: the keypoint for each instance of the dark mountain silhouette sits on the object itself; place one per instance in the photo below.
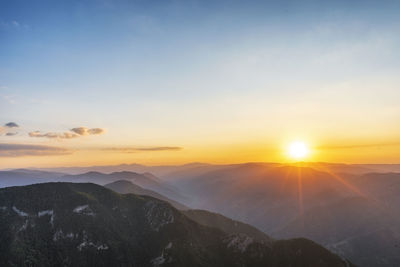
(226, 224)
(73, 224)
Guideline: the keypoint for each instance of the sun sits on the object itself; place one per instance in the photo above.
(298, 150)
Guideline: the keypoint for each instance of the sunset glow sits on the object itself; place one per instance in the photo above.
(219, 83)
(200, 133)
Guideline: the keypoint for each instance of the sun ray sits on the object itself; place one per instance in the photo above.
(348, 185)
(300, 191)
(285, 179)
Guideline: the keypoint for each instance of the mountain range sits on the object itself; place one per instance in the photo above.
(83, 224)
(127, 187)
(354, 215)
(145, 180)
(176, 171)
(352, 210)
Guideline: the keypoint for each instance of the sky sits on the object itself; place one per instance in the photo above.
(168, 82)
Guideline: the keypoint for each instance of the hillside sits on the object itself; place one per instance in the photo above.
(127, 187)
(144, 180)
(262, 195)
(354, 215)
(71, 224)
(227, 225)
(359, 229)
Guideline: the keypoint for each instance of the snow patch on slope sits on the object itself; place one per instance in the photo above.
(159, 260)
(49, 213)
(20, 212)
(84, 209)
(239, 242)
(60, 235)
(163, 257)
(86, 244)
(45, 212)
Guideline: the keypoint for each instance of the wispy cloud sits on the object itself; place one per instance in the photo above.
(74, 133)
(13, 24)
(87, 131)
(160, 148)
(65, 135)
(20, 150)
(356, 146)
(141, 149)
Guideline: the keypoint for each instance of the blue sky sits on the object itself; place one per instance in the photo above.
(201, 73)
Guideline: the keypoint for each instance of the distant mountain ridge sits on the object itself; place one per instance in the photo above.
(146, 180)
(20, 177)
(171, 171)
(127, 187)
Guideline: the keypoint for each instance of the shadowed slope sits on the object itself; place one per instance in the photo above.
(88, 225)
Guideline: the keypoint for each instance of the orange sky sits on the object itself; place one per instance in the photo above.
(227, 153)
(217, 82)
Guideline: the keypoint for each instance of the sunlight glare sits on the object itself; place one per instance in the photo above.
(298, 150)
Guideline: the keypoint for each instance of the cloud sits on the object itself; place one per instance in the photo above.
(87, 131)
(80, 130)
(65, 135)
(7, 128)
(11, 125)
(359, 146)
(142, 149)
(159, 148)
(20, 150)
(75, 132)
(96, 131)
